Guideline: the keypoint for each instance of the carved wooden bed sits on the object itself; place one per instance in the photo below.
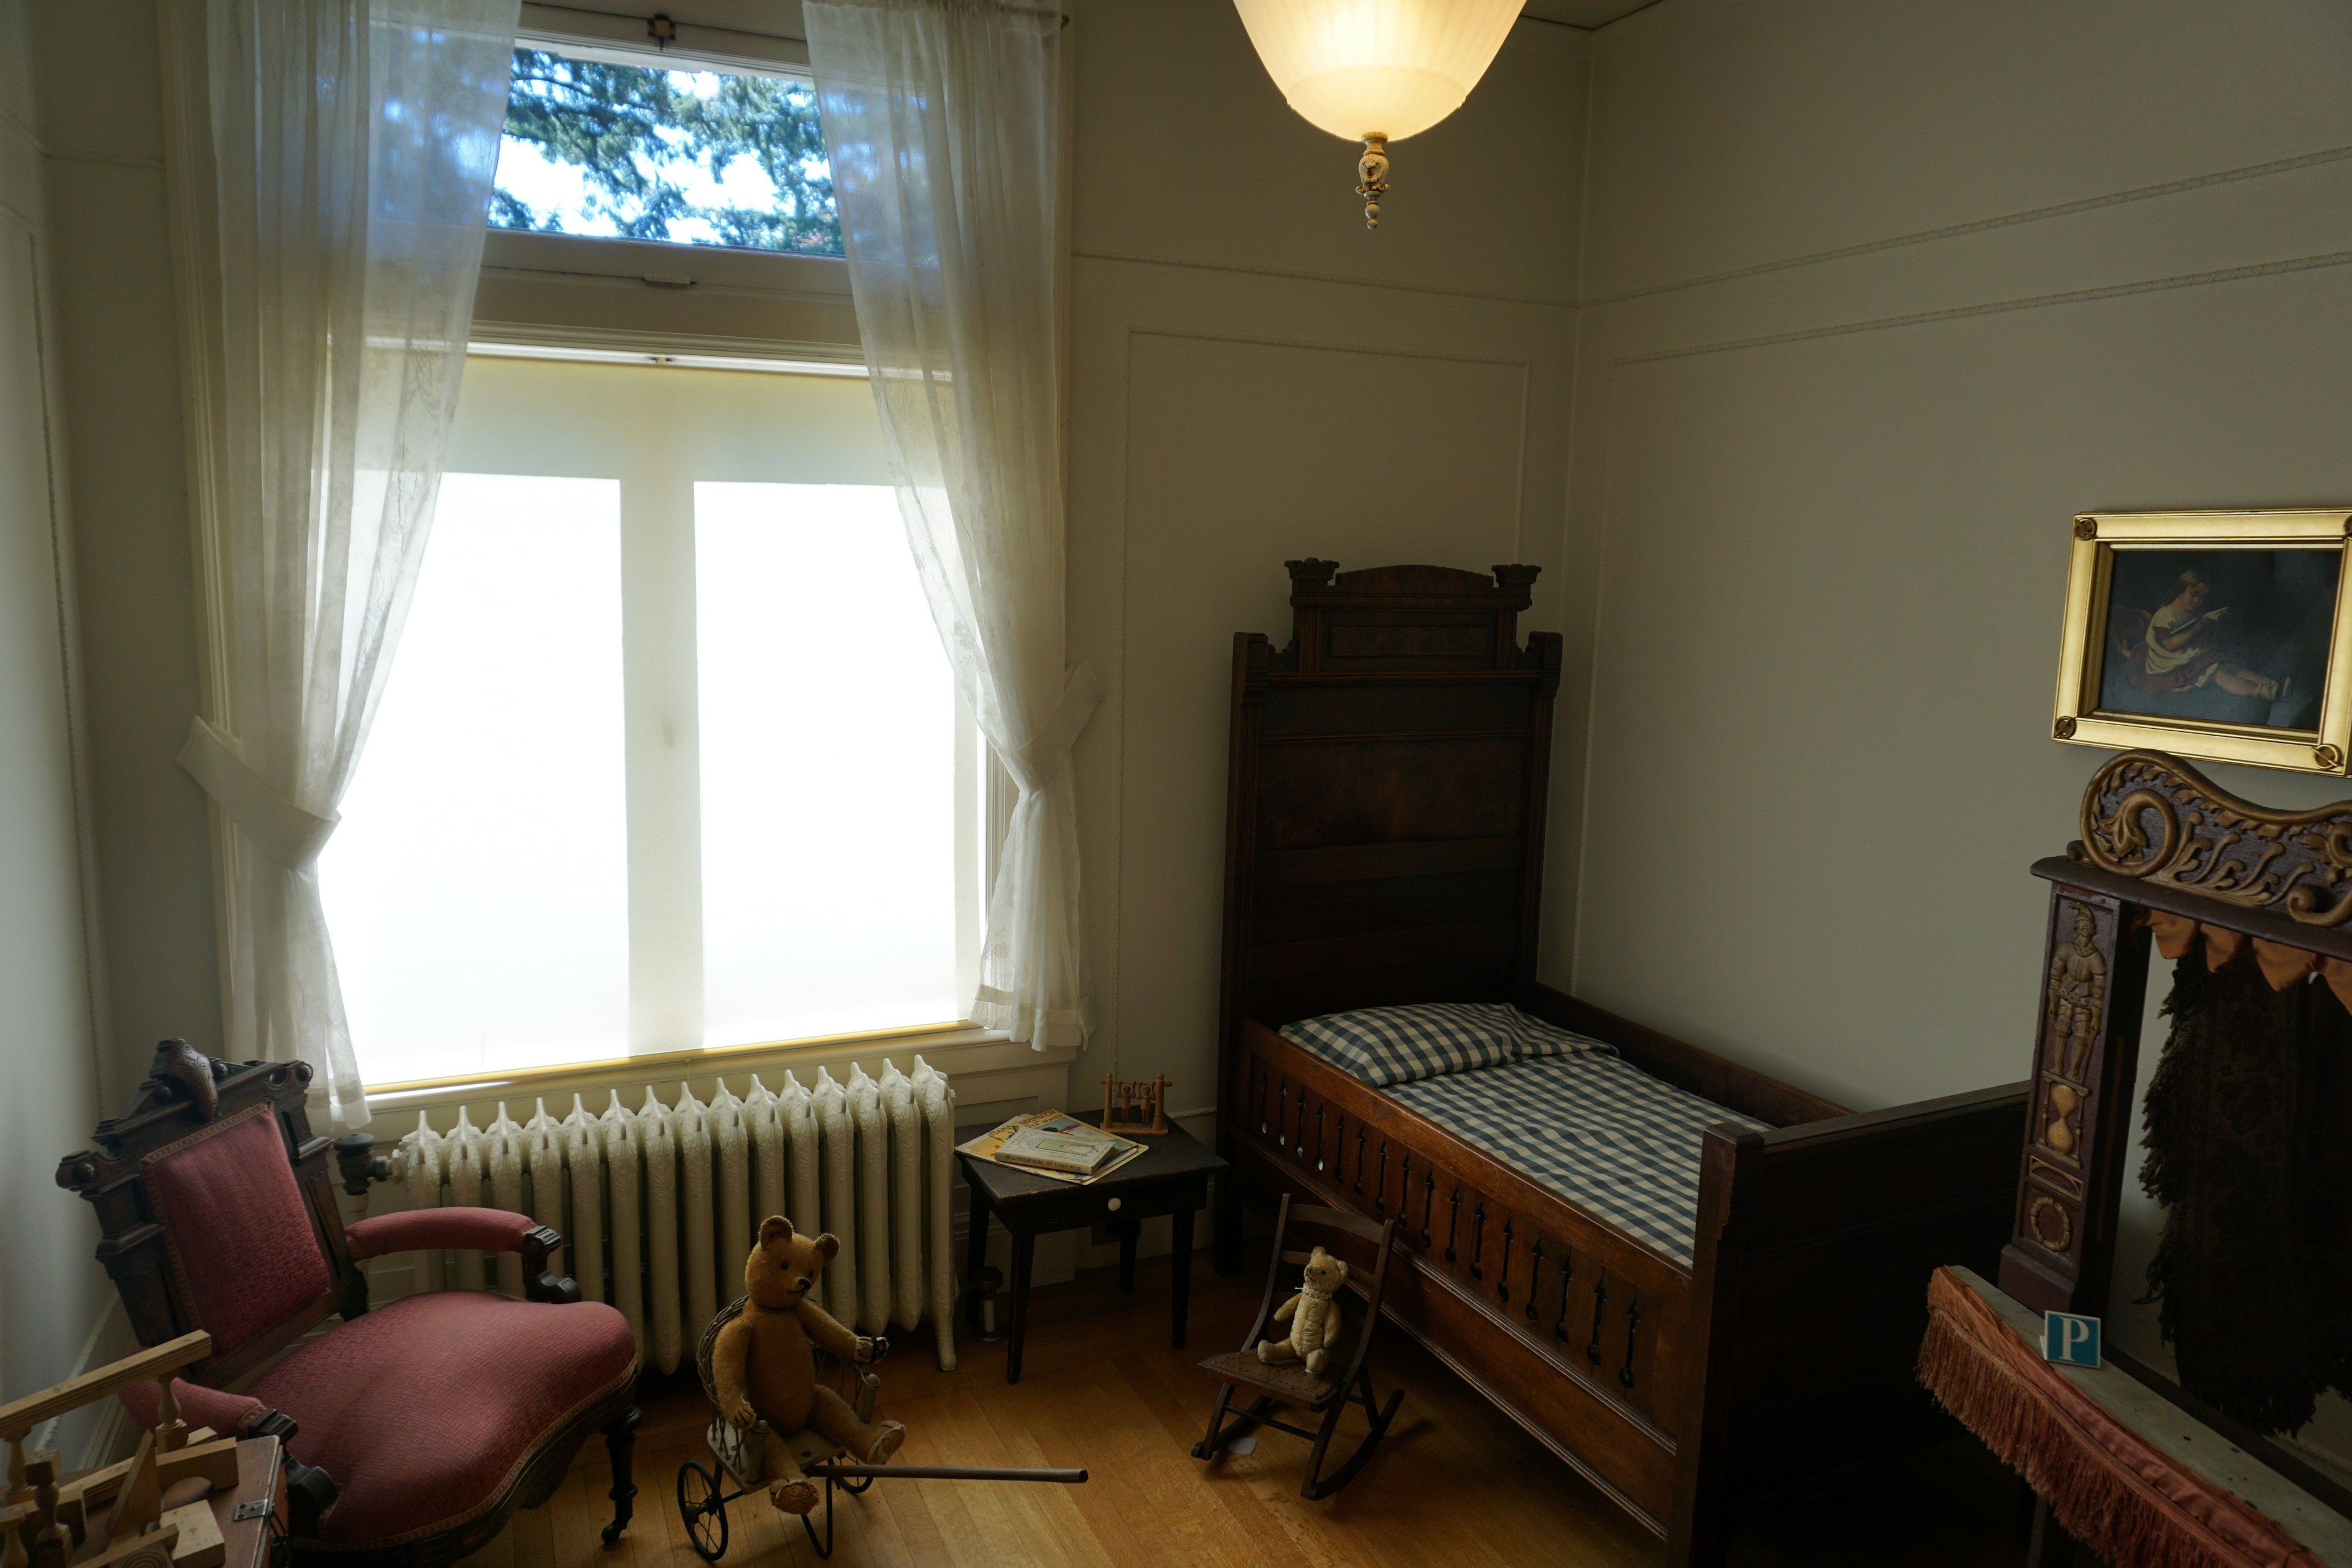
(1384, 844)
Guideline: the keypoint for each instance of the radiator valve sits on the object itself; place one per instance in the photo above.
(356, 1158)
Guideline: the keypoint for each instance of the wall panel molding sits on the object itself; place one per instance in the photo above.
(10, 117)
(1524, 366)
(1325, 345)
(69, 667)
(1417, 380)
(1980, 226)
(1345, 280)
(1998, 307)
(1109, 994)
(106, 160)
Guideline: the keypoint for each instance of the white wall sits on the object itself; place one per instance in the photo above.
(101, 124)
(1255, 378)
(1880, 296)
(1884, 295)
(51, 1293)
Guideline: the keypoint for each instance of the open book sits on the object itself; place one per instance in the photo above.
(1048, 1143)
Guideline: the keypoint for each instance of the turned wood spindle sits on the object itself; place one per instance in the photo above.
(15, 1510)
(45, 1542)
(171, 1432)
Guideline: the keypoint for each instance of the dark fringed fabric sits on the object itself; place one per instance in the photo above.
(2246, 1151)
(2109, 1488)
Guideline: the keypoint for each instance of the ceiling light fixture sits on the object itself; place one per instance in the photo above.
(1376, 71)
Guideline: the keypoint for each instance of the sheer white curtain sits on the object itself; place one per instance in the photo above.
(942, 120)
(354, 143)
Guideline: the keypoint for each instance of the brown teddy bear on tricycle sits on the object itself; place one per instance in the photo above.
(761, 1369)
(763, 1362)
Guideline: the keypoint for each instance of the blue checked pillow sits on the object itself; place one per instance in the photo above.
(1385, 1045)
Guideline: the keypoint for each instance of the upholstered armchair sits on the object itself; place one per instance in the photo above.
(413, 1431)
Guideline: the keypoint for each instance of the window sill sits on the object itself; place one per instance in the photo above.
(956, 1048)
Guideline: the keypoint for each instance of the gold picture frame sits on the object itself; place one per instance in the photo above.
(2145, 663)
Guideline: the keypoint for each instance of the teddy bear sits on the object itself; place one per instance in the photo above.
(1313, 1315)
(761, 1368)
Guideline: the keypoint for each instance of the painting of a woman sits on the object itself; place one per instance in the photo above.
(2232, 636)
(2174, 652)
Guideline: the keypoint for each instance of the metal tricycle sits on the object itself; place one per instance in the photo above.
(702, 1496)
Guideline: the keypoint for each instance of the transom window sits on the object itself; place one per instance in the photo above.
(692, 157)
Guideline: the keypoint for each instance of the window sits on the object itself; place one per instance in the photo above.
(669, 756)
(635, 152)
(676, 206)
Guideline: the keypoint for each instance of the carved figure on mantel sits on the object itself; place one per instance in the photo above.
(2077, 974)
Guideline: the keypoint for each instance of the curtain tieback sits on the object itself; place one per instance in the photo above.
(278, 828)
(1032, 767)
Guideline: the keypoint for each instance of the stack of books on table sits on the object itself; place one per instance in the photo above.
(1048, 1143)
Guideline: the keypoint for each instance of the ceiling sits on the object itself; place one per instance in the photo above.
(1582, 13)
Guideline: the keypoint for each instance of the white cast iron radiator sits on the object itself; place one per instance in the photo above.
(659, 1207)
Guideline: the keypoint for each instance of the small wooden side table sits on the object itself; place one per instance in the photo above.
(1171, 1178)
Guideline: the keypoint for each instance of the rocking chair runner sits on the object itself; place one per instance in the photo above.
(1290, 1382)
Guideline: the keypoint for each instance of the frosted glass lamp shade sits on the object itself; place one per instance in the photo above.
(1377, 69)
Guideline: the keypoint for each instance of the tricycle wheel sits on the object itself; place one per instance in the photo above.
(703, 1507)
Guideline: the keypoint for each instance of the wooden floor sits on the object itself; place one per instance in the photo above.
(1102, 1389)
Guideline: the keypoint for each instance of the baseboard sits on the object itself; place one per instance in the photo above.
(108, 1432)
(112, 1436)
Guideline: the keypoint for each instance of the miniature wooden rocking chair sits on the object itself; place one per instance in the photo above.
(1289, 1382)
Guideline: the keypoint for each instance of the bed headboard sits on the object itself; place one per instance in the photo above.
(1385, 807)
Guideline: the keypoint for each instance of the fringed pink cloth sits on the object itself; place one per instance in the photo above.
(2109, 1488)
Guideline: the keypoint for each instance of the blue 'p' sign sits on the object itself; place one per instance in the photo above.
(2070, 1338)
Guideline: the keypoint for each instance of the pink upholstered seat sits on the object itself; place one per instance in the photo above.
(426, 1409)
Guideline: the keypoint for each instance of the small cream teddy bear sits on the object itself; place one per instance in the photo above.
(1313, 1315)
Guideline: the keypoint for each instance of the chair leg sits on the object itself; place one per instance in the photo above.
(1246, 1421)
(1258, 1411)
(1308, 1489)
(1214, 1440)
(621, 1442)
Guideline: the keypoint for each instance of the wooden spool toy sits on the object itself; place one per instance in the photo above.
(1135, 1107)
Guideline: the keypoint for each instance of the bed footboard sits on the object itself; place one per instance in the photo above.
(1809, 1293)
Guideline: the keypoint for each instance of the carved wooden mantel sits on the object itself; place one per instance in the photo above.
(2158, 836)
